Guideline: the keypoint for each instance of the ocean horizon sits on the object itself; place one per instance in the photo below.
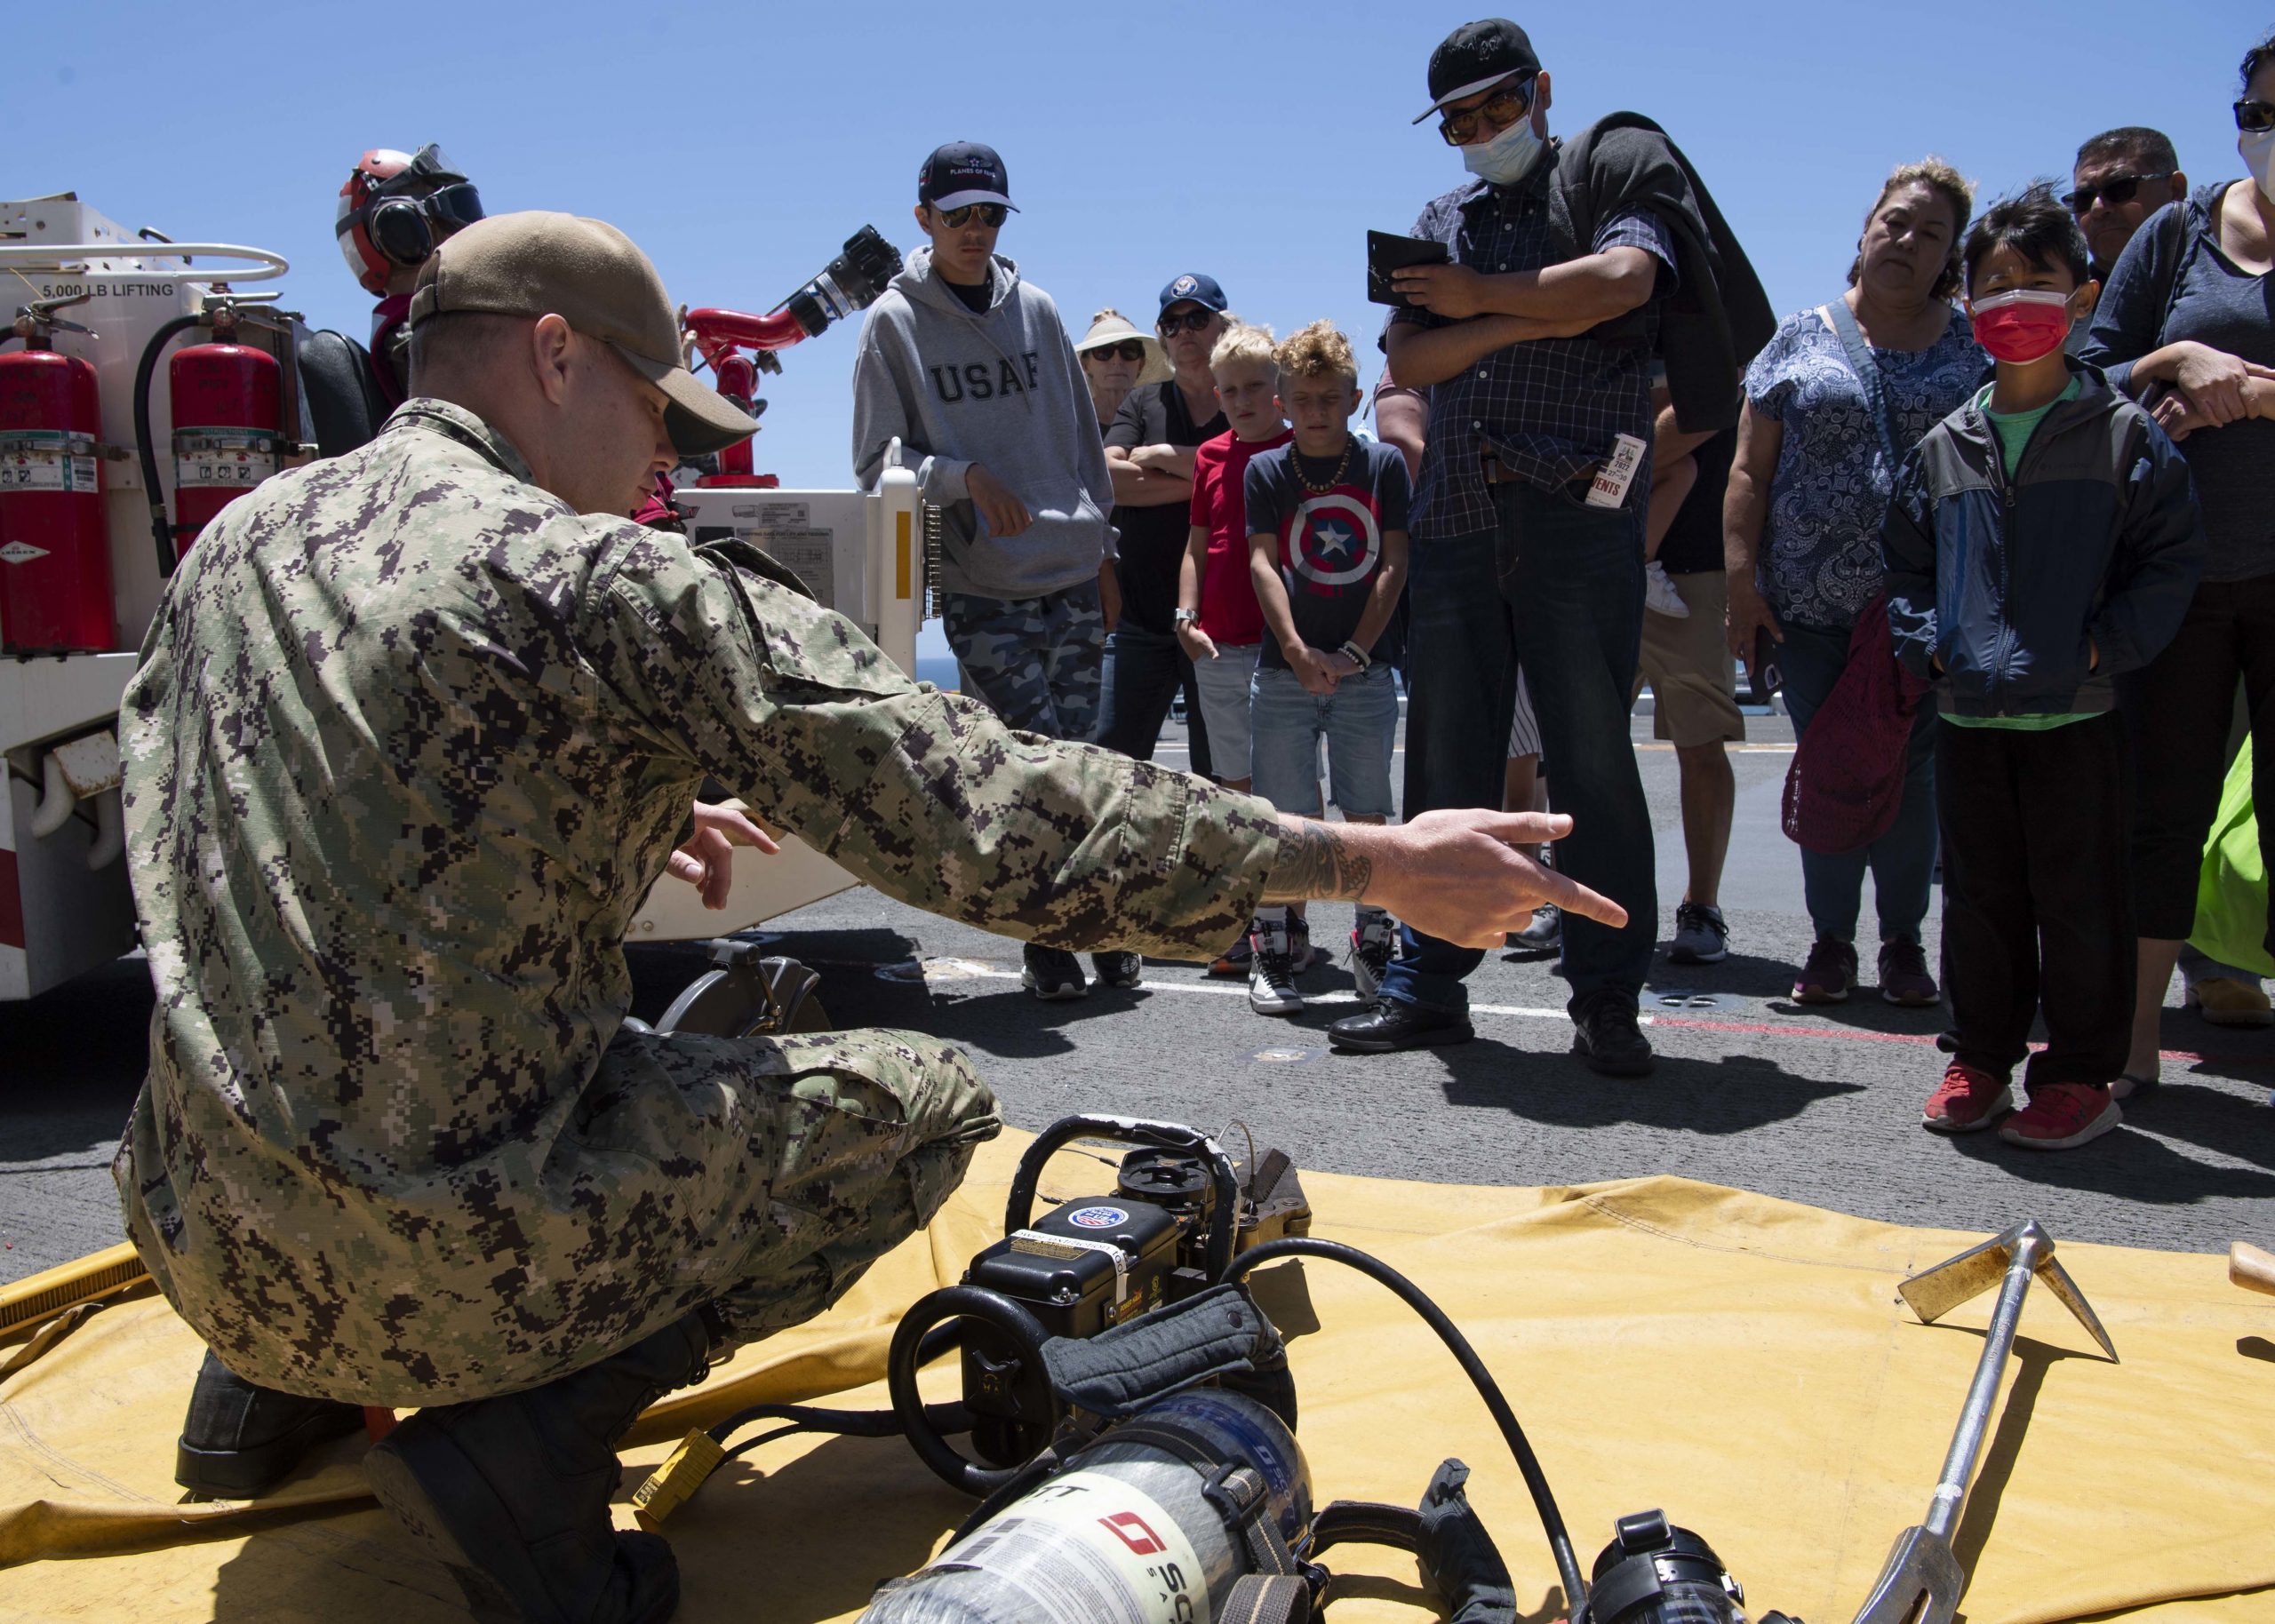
(941, 673)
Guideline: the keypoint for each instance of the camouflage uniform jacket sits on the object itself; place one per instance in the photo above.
(409, 743)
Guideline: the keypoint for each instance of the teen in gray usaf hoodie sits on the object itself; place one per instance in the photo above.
(1000, 388)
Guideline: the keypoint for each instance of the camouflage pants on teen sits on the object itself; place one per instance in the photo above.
(1037, 662)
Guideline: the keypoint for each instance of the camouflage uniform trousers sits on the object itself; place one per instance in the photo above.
(801, 1160)
(860, 1136)
(1037, 662)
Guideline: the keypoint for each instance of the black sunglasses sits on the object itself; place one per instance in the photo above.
(2255, 115)
(990, 214)
(2117, 191)
(1128, 349)
(1192, 321)
(1504, 106)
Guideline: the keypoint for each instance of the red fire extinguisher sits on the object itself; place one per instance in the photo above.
(54, 544)
(227, 402)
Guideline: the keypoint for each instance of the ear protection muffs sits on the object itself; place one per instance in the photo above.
(395, 210)
(399, 228)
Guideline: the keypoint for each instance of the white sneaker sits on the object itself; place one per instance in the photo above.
(1372, 944)
(1271, 972)
(1659, 595)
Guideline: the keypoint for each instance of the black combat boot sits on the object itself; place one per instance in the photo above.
(239, 1440)
(511, 1494)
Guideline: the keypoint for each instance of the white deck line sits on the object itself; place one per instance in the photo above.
(972, 972)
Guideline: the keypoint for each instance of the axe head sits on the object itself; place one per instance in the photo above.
(1920, 1569)
(1934, 1293)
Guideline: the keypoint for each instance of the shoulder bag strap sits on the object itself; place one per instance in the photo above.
(1843, 323)
(2192, 224)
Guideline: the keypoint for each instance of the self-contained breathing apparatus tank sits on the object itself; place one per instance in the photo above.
(1155, 1522)
(1133, 1417)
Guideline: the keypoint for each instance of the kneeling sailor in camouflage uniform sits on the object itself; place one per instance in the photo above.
(414, 731)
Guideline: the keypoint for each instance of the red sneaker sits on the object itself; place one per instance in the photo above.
(1967, 1099)
(2062, 1116)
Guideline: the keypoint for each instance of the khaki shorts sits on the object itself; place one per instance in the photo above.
(1694, 682)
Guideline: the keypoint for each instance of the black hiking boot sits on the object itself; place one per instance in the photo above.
(240, 1440)
(511, 1494)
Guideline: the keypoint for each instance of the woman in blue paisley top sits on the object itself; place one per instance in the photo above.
(1802, 535)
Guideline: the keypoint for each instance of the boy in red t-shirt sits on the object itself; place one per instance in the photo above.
(1217, 621)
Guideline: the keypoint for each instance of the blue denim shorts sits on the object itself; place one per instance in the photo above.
(1359, 720)
(1224, 684)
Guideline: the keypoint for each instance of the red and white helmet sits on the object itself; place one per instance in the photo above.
(395, 207)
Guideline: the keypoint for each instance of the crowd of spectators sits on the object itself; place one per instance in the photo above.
(1994, 519)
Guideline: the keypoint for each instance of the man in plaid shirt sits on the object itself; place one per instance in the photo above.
(1536, 353)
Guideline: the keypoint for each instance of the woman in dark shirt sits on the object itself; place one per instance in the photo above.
(2187, 324)
(1149, 452)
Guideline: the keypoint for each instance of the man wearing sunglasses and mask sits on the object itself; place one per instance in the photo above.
(969, 368)
(1536, 342)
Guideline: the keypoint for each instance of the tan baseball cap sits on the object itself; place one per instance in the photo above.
(592, 276)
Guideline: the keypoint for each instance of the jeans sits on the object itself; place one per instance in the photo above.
(1903, 861)
(1563, 583)
(2038, 906)
(1359, 720)
(1144, 671)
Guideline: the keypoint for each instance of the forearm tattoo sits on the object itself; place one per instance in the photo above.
(1316, 860)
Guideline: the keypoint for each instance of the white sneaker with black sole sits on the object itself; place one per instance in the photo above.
(1272, 971)
(1054, 975)
(1700, 935)
(1372, 942)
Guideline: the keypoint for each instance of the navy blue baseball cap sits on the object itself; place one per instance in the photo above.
(964, 172)
(1194, 288)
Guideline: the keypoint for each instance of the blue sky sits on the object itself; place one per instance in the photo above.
(741, 144)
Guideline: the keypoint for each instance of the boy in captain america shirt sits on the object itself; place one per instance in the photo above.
(1327, 551)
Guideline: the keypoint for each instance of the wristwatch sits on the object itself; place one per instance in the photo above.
(1185, 616)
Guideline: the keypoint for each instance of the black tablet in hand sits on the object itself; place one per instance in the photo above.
(1387, 252)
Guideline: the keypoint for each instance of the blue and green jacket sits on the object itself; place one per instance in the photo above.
(1996, 586)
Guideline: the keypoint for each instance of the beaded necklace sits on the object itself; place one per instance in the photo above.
(1296, 456)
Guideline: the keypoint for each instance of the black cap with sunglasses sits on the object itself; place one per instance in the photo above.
(1476, 57)
(963, 173)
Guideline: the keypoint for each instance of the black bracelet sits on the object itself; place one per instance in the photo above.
(1355, 654)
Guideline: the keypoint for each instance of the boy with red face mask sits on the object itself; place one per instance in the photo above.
(2042, 540)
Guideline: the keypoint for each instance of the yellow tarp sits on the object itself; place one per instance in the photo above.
(1744, 1362)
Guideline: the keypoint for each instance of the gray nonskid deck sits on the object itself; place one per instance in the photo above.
(1814, 1105)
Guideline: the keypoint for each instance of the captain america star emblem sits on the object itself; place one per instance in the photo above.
(1336, 540)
